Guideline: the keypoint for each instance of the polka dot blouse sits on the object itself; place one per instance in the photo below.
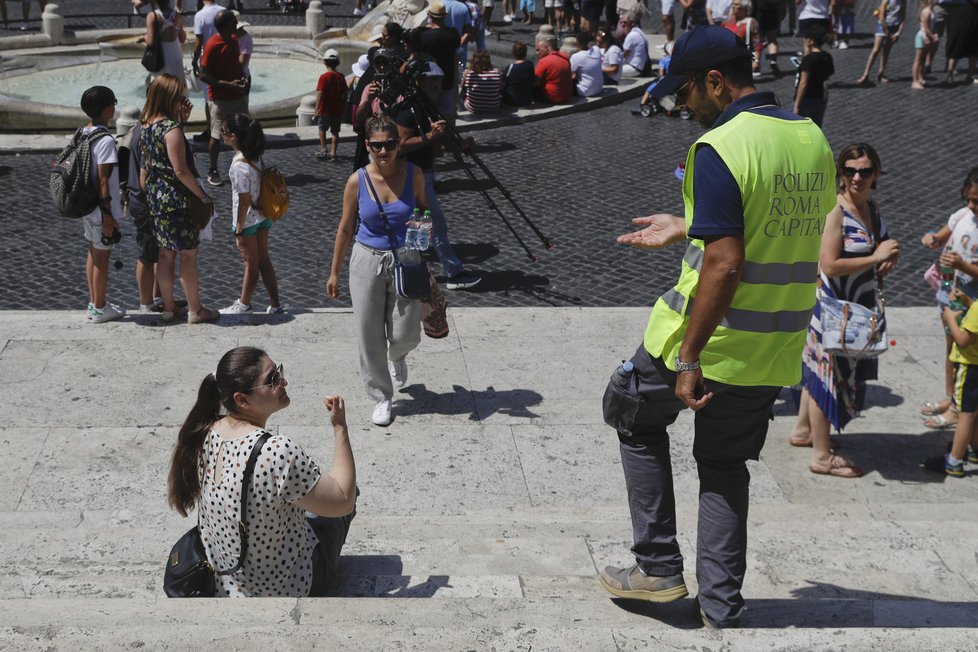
(280, 540)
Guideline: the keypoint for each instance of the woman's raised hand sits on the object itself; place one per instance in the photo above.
(337, 410)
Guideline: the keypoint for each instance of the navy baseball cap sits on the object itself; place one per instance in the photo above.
(698, 50)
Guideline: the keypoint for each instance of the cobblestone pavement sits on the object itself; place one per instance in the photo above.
(579, 177)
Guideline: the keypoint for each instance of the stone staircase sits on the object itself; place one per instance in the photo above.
(487, 506)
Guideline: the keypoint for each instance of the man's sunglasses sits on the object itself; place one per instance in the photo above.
(390, 144)
(863, 172)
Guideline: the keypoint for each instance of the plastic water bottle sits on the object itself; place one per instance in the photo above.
(947, 281)
(413, 231)
(623, 373)
(424, 231)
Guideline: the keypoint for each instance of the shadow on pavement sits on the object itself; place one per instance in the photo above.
(478, 404)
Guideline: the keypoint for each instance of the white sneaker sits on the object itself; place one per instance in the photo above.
(108, 313)
(382, 413)
(274, 310)
(236, 308)
(359, 13)
(399, 372)
(488, 32)
(842, 45)
(507, 18)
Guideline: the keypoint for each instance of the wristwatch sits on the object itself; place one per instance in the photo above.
(686, 366)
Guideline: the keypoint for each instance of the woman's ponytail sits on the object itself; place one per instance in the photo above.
(184, 484)
(237, 371)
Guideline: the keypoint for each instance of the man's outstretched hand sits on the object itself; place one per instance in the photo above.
(660, 231)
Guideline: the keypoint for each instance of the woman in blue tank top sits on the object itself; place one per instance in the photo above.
(388, 326)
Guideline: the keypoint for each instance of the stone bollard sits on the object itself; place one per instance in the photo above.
(126, 118)
(53, 23)
(315, 18)
(307, 109)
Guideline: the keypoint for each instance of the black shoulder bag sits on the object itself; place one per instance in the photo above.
(153, 55)
(188, 573)
(411, 280)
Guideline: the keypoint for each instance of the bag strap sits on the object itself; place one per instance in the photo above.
(245, 485)
(874, 217)
(380, 207)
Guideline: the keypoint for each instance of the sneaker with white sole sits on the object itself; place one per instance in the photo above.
(399, 372)
(214, 178)
(274, 310)
(632, 583)
(507, 18)
(359, 13)
(109, 313)
(382, 413)
(462, 281)
(236, 308)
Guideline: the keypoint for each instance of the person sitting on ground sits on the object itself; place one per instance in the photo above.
(811, 82)
(250, 227)
(635, 47)
(388, 326)
(856, 248)
(101, 225)
(169, 22)
(291, 552)
(331, 93)
(519, 79)
(553, 72)
(612, 58)
(586, 67)
(958, 241)
(740, 23)
(964, 355)
(482, 85)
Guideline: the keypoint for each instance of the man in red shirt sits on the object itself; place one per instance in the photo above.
(227, 85)
(555, 84)
(330, 99)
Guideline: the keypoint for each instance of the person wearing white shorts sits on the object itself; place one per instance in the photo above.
(668, 21)
(487, 6)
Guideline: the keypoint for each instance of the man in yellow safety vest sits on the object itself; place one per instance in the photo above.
(730, 333)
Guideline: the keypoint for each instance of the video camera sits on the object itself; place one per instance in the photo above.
(401, 79)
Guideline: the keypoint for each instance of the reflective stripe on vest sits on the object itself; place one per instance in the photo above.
(762, 273)
(752, 321)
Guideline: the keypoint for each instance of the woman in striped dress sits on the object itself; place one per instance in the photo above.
(855, 248)
(482, 85)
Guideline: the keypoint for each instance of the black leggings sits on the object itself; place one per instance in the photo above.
(331, 532)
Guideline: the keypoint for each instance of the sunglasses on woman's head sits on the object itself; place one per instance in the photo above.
(390, 144)
(863, 172)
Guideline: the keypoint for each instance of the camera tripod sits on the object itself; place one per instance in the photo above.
(457, 145)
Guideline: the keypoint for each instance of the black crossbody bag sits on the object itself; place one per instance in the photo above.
(188, 574)
(411, 280)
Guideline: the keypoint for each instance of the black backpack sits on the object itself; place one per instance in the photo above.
(72, 180)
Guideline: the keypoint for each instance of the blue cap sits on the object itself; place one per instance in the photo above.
(696, 51)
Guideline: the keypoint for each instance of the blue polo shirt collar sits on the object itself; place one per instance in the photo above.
(746, 103)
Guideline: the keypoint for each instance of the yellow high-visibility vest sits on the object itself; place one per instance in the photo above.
(786, 175)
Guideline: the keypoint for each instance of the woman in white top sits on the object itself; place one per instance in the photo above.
(612, 57)
(250, 227)
(172, 36)
(290, 553)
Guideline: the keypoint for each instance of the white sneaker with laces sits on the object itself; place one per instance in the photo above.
(108, 313)
(399, 372)
(382, 413)
(236, 308)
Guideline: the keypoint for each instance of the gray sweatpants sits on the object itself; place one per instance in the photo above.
(388, 326)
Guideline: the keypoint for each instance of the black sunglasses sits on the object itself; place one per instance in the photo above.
(274, 378)
(390, 144)
(684, 89)
(863, 172)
